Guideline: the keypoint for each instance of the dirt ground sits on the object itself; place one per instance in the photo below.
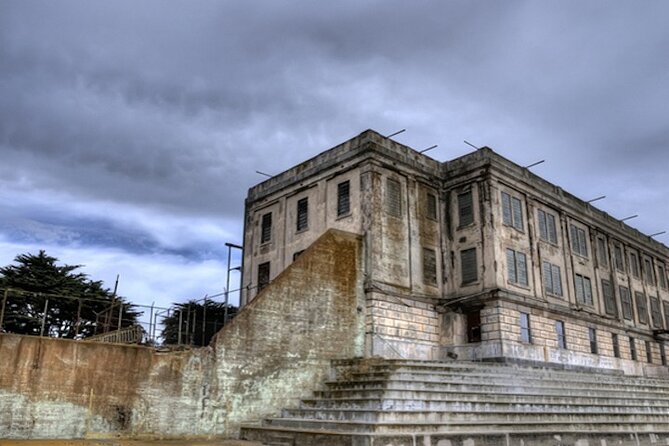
(127, 443)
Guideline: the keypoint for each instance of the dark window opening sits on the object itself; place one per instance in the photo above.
(616, 345)
(663, 355)
(641, 307)
(431, 206)
(297, 254)
(429, 266)
(593, 340)
(626, 302)
(649, 353)
(393, 198)
(266, 232)
(559, 331)
(343, 199)
(465, 209)
(302, 214)
(610, 306)
(263, 275)
(633, 349)
(469, 266)
(474, 326)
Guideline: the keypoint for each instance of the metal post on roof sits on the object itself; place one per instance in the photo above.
(658, 233)
(429, 148)
(629, 218)
(470, 144)
(396, 133)
(535, 164)
(596, 199)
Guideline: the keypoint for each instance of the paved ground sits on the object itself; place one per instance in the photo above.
(127, 443)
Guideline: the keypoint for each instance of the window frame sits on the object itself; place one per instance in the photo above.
(344, 198)
(474, 259)
(583, 298)
(546, 233)
(649, 352)
(635, 266)
(470, 216)
(263, 284)
(266, 228)
(592, 336)
(514, 217)
(619, 257)
(427, 278)
(579, 240)
(641, 304)
(393, 197)
(302, 215)
(551, 269)
(655, 312)
(615, 342)
(431, 206)
(561, 335)
(525, 328)
(626, 303)
(609, 298)
(514, 269)
(633, 351)
(602, 252)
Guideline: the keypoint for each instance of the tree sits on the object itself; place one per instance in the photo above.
(74, 304)
(193, 315)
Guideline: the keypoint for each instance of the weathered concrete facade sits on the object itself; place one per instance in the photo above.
(273, 353)
(476, 257)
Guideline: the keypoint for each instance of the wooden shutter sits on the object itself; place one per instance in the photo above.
(302, 214)
(517, 213)
(551, 228)
(429, 266)
(469, 266)
(543, 227)
(609, 299)
(557, 280)
(521, 266)
(465, 208)
(393, 198)
(511, 265)
(343, 198)
(548, 277)
(506, 209)
(626, 302)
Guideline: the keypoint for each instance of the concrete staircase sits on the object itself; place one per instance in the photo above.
(413, 403)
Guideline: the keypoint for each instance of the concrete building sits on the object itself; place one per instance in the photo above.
(476, 257)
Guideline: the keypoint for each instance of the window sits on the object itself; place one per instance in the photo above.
(649, 353)
(616, 345)
(634, 264)
(469, 266)
(343, 199)
(525, 330)
(547, 227)
(626, 302)
(583, 289)
(465, 208)
(632, 349)
(474, 326)
(602, 253)
(592, 333)
(297, 254)
(665, 307)
(609, 299)
(618, 257)
(302, 214)
(266, 231)
(516, 263)
(641, 307)
(663, 354)
(431, 206)
(512, 212)
(648, 273)
(559, 331)
(552, 279)
(263, 275)
(662, 275)
(429, 266)
(579, 244)
(655, 312)
(393, 198)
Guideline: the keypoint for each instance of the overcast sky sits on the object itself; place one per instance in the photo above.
(131, 131)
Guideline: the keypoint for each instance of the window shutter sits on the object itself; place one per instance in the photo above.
(517, 214)
(506, 209)
(521, 266)
(587, 288)
(302, 214)
(465, 208)
(574, 238)
(580, 294)
(511, 265)
(429, 266)
(552, 229)
(548, 277)
(343, 199)
(625, 300)
(609, 299)
(266, 231)
(583, 246)
(469, 266)
(543, 228)
(393, 198)
(557, 280)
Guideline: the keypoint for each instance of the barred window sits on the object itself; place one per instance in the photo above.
(655, 312)
(343, 198)
(465, 208)
(552, 279)
(431, 207)
(469, 266)
(641, 307)
(393, 198)
(547, 227)
(592, 334)
(579, 244)
(512, 211)
(610, 306)
(516, 263)
(266, 228)
(626, 302)
(525, 329)
(559, 331)
(583, 289)
(303, 214)
(633, 349)
(429, 266)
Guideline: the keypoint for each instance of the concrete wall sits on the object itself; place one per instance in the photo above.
(274, 352)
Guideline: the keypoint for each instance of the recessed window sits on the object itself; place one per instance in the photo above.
(552, 279)
(626, 302)
(512, 211)
(474, 326)
(525, 329)
(592, 334)
(266, 228)
(559, 332)
(583, 289)
(663, 354)
(602, 253)
(547, 227)
(634, 265)
(429, 266)
(641, 307)
(465, 209)
(297, 254)
(393, 198)
(665, 307)
(662, 275)
(648, 272)
(303, 214)
(618, 257)
(516, 263)
(263, 275)
(616, 345)
(469, 266)
(343, 198)
(655, 312)
(633, 354)
(610, 306)
(579, 243)
(649, 353)
(431, 206)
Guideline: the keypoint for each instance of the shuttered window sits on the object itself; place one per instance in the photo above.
(641, 307)
(633, 349)
(547, 227)
(429, 266)
(303, 214)
(431, 206)
(343, 199)
(592, 334)
(648, 273)
(626, 302)
(602, 253)
(579, 243)
(583, 289)
(266, 228)
(517, 267)
(616, 345)
(610, 306)
(618, 255)
(634, 265)
(525, 329)
(662, 275)
(552, 279)
(465, 209)
(469, 266)
(512, 211)
(655, 312)
(263, 275)
(393, 198)
(560, 334)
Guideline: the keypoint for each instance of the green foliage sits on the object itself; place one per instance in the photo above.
(74, 303)
(193, 315)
